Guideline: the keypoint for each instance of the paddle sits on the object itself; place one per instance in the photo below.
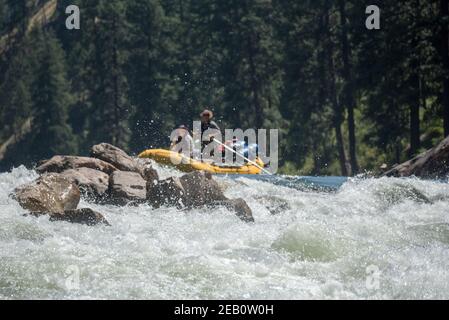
(241, 155)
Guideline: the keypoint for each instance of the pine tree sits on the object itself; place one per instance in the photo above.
(146, 67)
(444, 53)
(15, 97)
(249, 64)
(3, 12)
(309, 68)
(51, 101)
(81, 67)
(348, 95)
(18, 13)
(110, 106)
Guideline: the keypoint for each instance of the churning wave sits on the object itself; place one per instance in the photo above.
(314, 238)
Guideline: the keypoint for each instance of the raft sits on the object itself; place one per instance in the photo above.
(187, 164)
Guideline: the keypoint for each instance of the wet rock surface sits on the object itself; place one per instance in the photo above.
(93, 184)
(49, 193)
(59, 164)
(80, 216)
(115, 156)
(111, 176)
(126, 187)
(166, 192)
(239, 206)
(200, 189)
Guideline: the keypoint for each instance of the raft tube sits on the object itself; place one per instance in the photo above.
(186, 164)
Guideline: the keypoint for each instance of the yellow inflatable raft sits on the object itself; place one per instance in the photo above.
(186, 164)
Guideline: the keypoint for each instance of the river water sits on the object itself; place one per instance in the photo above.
(314, 238)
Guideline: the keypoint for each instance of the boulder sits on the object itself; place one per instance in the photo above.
(49, 193)
(193, 190)
(123, 162)
(200, 189)
(432, 164)
(81, 216)
(177, 191)
(125, 187)
(59, 164)
(240, 207)
(115, 156)
(166, 192)
(148, 173)
(92, 183)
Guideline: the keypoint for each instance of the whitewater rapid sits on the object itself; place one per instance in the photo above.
(369, 239)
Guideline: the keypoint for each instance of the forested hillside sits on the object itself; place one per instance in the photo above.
(346, 99)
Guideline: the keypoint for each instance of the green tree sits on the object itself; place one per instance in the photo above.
(15, 97)
(147, 65)
(110, 107)
(51, 101)
(250, 63)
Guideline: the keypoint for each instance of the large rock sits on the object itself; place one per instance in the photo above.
(193, 190)
(240, 207)
(123, 162)
(81, 216)
(59, 164)
(147, 172)
(126, 187)
(200, 189)
(433, 164)
(166, 192)
(49, 193)
(92, 183)
(115, 156)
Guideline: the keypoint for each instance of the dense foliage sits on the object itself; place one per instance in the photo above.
(346, 99)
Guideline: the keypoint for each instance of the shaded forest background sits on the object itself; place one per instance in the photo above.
(346, 99)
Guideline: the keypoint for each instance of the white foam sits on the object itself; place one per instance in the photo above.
(319, 246)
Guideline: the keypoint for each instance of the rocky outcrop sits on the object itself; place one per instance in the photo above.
(49, 193)
(122, 161)
(168, 192)
(432, 164)
(81, 216)
(93, 184)
(113, 177)
(200, 189)
(58, 195)
(239, 206)
(115, 156)
(148, 173)
(194, 190)
(59, 164)
(126, 187)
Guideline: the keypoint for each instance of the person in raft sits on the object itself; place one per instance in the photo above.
(182, 141)
(207, 124)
